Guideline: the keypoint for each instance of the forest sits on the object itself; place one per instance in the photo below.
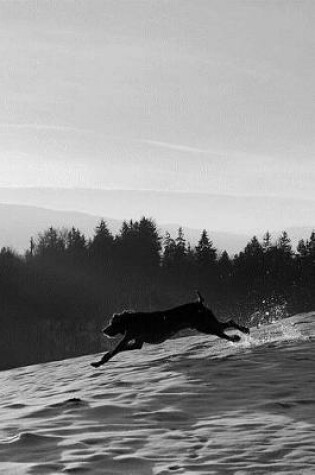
(55, 298)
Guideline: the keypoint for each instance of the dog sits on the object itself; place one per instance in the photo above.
(156, 327)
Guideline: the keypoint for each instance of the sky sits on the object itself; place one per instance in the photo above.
(210, 96)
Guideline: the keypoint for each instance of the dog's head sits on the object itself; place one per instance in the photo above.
(117, 325)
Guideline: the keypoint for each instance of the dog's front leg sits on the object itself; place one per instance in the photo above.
(232, 324)
(120, 347)
(232, 338)
(125, 345)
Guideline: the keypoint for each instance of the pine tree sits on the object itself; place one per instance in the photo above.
(150, 244)
(169, 247)
(190, 255)
(284, 244)
(180, 248)
(51, 242)
(267, 244)
(225, 265)
(180, 240)
(76, 242)
(311, 246)
(253, 248)
(205, 252)
(139, 245)
(302, 248)
(101, 245)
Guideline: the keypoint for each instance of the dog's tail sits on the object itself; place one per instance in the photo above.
(200, 297)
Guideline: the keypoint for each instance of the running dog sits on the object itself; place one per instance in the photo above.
(156, 327)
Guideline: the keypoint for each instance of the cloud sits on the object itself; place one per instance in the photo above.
(179, 148)
(31, 126)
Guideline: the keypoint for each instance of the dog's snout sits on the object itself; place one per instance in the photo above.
(110, 331)
(105, 331)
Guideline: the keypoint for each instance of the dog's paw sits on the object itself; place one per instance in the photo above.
(96, 364)
(235, 338)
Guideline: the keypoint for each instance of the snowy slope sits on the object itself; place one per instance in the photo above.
(194, 405)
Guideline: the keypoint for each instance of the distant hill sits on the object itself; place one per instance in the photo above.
(19, 222)
(240, 215)
(26, 211)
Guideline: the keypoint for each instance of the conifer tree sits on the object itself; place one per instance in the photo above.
(284, 243)
(180, 248)
(139, 244)
(101, 245)
(169, 247)
(253, 248)
(311, 246)
(205, 252)
(190, 255)
(267, 244)
(225, 265)
(150, 243)
(51, 242)
(302, 248)
(76, 243)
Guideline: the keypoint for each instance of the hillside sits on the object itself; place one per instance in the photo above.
(189, 406)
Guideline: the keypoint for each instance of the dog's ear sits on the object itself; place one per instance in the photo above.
(200, 297)
(119, 320)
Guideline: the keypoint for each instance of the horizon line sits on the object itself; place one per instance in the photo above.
(158, 191)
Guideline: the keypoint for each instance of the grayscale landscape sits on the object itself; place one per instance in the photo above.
(157, 182)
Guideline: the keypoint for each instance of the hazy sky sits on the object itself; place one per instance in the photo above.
(201, 96)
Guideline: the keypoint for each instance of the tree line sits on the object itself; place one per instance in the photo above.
(70, 284)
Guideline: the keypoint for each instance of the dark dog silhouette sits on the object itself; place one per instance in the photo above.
(156, 327)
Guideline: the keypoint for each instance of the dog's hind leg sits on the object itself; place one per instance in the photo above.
(232, 324)
(125, 345)
(218, 331)
(232, 338)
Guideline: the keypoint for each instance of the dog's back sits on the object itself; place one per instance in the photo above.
(169, 321)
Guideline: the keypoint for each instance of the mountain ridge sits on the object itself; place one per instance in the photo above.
(18, 223)
(245, 215)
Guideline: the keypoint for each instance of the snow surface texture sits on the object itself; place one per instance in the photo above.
(194, 405)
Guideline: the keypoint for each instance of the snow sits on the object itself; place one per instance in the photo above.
(195, 405)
